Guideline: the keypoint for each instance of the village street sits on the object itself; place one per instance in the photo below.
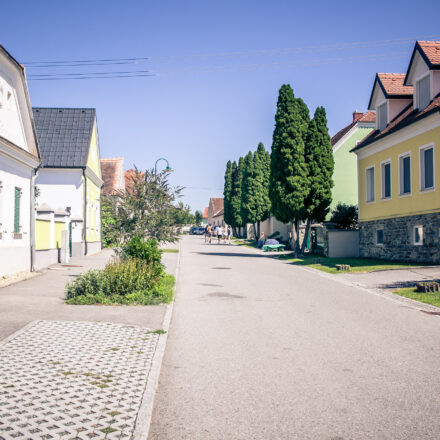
(261, 349)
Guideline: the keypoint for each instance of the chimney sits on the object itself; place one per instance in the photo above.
(357, 115)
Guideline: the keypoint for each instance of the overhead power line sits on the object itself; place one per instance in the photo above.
(257, 52)
(78, 76)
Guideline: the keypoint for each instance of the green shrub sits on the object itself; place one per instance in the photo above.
(143, 250)
(131, 281)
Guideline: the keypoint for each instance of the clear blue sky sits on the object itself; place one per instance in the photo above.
(218, 68)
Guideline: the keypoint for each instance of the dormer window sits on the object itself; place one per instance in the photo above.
(382, 116)
(423, 92)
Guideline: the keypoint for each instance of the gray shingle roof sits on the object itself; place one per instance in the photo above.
(64, 135)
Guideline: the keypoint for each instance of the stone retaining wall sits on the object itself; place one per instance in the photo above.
(398, 239)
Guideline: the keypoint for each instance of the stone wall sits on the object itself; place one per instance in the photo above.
(398, 239)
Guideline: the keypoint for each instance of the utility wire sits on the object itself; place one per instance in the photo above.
(55, 78)
(259, 52)
(90, 73)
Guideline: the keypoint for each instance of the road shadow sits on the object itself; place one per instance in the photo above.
(232, 254)
(403, 284)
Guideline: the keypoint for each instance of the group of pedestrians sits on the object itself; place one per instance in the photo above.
(221, 232)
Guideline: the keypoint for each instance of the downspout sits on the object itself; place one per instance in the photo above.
(85, 212)
(32, 217)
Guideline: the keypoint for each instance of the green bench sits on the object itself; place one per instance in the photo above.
(273, 247)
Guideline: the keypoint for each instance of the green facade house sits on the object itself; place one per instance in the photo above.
(345, 189)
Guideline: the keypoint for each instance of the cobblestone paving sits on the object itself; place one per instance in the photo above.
(73, 380)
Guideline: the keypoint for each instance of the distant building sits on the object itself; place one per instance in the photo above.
(70, 177)
(112, 172)
(19, 160)
(398, 163)
(345, 179)
(205, 217)
(216, 211)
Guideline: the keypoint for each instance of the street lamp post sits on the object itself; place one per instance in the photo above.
(168, 168)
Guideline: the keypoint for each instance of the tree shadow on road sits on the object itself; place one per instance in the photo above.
(232, 254)
(402, 284)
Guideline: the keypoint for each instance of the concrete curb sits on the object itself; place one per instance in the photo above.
(18, 332)
(143, 421)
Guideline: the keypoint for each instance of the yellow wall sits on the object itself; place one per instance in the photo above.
(59, 227)
(42, 234)
(419, 202)
(93, 212)
(93, 159)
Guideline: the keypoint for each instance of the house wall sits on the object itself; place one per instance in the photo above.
(419, 202)
(395, 106)
(345, 189)
(61, 188)
(342, 244)
(42, 234)
(15, 250)
(93, 224)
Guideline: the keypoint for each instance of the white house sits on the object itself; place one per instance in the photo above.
(19, 160)
(69, 180)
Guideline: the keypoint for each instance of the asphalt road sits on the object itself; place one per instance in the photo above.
(261, 349)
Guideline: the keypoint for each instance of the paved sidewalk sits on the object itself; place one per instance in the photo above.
(393, 279)
(77, 372)
(42, 297)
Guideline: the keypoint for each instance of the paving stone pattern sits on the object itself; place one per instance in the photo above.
(73, 380)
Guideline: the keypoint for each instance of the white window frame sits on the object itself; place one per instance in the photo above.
(414, 235)
(382, 103)
(383, 237)
(366, 184)
(400, 171)
(382, 180)
(416, 93)
(422, 149)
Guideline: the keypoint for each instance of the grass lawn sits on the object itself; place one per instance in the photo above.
(170, 251)
(356, 264)
(432, 298)
(245, 242)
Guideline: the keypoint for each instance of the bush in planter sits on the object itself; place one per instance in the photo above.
(131, 281)
(143, 250)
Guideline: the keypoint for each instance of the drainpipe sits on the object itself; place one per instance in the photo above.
(32, 218)
(85, 212)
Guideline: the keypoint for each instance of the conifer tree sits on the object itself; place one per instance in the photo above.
(320, 164)
(235, 202)
(288, 179)
(262, 175)
(227, 193)
(249, 192)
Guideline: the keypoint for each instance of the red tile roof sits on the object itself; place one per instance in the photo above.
(215, 206)
(130, 177)
(392, 84)
(431, 49)
(205, 212)
(406, 117)
(112, 171)
(366, 117)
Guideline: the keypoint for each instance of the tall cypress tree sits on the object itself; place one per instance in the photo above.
(248, 191)
(320, 164)
(262, 176)
(227, 193)
(288, 178)
(235, 202)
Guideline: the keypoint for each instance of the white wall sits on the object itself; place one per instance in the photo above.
(14, 252)
(60, 188)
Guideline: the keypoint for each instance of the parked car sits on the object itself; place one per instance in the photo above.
(197, 230)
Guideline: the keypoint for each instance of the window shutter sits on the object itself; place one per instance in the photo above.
(17, 210)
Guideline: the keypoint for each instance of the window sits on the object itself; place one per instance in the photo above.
(370, 184)
(386, 180)
(426, 168)
(17, 210)
(382, 116)
(423, 92)
(418, 235)
(405, 174)
(379, 236)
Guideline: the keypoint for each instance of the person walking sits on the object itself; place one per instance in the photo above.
(229, 233)
(219, 234)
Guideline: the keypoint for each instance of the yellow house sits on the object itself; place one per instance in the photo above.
(69, 181)
(399, 163)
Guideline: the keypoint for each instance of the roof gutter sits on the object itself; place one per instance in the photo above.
(32, 228)
(85, 211)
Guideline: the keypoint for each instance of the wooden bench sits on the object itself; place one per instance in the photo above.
(273, 247)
